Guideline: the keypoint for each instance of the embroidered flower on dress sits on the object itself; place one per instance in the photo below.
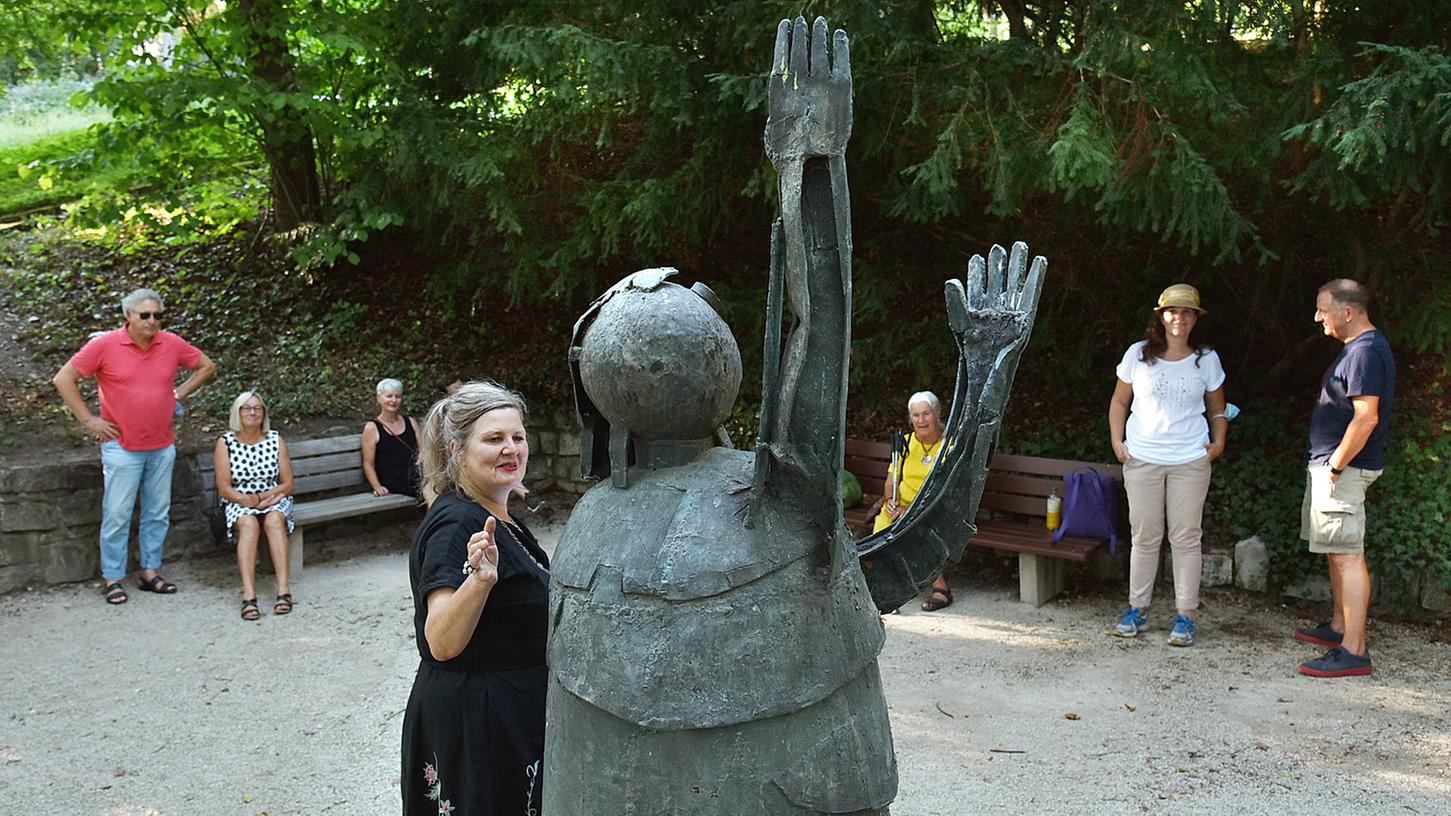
(435, 787)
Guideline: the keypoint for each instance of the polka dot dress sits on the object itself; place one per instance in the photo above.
(254, 470)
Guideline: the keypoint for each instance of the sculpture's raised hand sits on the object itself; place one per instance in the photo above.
(810, 93)
(994, 313)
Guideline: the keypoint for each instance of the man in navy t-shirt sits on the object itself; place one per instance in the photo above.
(1346, 454)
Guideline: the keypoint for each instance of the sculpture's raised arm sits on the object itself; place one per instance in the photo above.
(804, 400)
(991, 318)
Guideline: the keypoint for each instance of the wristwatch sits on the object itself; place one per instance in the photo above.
(1337, 471)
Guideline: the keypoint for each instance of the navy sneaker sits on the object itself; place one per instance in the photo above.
(1131, 621)
(1183, 632)
(1321, 635)
(1337, 663)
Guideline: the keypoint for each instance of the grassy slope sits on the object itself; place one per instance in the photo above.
(23, 166)
(42, 131)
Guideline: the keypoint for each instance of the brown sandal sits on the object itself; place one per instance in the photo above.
(250, 612)
(283, 604)
(939, 599)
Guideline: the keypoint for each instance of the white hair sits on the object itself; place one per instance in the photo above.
(388, 384)
(928, 397)
(139, 296)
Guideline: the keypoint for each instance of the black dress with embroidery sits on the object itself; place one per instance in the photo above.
(395, 459)
(473, 733)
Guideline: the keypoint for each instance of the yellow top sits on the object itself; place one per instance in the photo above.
(919, 461)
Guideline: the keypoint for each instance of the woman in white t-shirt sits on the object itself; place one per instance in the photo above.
(1167, 383)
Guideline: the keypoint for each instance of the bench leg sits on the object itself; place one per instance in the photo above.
(1040, 579)
(294, 552)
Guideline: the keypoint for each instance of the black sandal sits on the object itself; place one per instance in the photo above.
(156, 584)
(115, 593)
(283, 604)
(933, 603)
(250, 612)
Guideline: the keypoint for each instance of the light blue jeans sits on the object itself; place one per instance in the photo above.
(128, 473)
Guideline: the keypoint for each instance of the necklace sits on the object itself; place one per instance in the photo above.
(928, 449)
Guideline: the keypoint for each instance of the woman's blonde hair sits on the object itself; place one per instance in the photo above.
(234, 419)
(446, 430)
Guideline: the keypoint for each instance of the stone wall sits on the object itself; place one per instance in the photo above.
(50, 512)
(554, 453)
(50, 519)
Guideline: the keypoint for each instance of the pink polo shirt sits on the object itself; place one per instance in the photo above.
(137, 385)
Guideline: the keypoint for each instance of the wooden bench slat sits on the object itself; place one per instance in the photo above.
(1036, 506)
(868, 449)
(1041, 466)
(327, 481)
(317, 447)
(1026, 485)
(315, 512)
(329, 463)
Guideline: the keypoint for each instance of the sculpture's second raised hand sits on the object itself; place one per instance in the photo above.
(994, 314)
(810, 93)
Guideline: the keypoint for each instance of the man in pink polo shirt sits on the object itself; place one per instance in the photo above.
(135, 369)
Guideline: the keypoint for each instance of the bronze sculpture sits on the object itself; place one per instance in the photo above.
(713, 639)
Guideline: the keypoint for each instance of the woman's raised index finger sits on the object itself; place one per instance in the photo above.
(489, 525)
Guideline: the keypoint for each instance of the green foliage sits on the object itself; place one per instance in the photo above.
(43, 173)
(1410, 511)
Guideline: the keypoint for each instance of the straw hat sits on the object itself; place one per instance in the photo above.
(1182, 296)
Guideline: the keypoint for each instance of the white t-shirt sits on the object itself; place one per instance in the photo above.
(1166, 420)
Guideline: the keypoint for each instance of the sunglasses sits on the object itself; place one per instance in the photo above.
(148, 315)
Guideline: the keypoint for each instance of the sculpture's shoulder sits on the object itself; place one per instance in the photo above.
(681, 532)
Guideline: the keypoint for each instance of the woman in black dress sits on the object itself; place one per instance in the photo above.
(390, 444)
(473, 733)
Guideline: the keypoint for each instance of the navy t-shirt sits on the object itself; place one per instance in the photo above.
(1364, 368)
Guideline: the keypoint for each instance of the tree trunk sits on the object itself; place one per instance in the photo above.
(287, 140)
(1016, 12)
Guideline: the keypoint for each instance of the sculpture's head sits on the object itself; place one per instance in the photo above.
(656, 360)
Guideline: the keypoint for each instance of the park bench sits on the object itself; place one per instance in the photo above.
(1011, 516)
(331, 470)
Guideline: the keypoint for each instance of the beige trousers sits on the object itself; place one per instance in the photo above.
(1166, 499)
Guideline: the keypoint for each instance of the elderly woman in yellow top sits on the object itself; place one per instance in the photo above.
(924, 444)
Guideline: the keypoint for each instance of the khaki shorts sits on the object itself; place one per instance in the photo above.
(1332, 516)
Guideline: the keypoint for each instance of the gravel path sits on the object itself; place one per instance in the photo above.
(172, 705)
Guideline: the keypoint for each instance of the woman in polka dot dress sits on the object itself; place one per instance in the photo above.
(254, 480)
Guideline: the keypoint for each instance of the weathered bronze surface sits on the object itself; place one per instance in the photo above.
(713, 639)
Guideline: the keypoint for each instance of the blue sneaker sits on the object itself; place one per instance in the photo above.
(1183, 632)
(1131, 621)
(1337, 663)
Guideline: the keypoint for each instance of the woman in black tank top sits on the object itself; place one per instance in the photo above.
(390, 445)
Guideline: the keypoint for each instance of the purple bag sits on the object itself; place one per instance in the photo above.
(1090, 507)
